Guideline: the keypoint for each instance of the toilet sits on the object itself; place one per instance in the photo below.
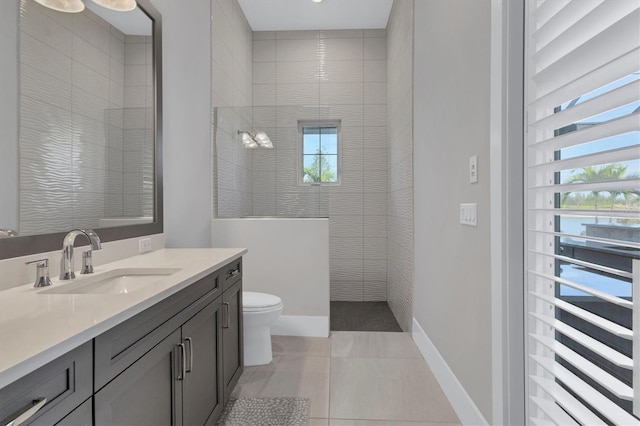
(259, 312)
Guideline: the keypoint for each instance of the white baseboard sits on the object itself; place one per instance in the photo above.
(465, 408)
(288, 325)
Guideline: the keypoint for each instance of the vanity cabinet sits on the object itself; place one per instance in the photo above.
(232, 338)
(64, 382)
(188, 358)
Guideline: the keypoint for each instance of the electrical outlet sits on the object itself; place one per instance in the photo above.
(468, 214)
(144, 245)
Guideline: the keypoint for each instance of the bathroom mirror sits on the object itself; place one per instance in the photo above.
(86, 146)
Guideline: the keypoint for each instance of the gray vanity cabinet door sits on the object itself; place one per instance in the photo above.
(202, 387)
(148, 392)
(81, 416)
(233, 360)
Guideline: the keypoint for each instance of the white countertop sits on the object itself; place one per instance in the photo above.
(37, 328)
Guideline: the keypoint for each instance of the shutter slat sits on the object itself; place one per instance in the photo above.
(619, 126)
(575, 24)
(600, 158)
(589, 238)
(595, 399)
(618, 68)
(589, 213)
(605, 47)
(612, 271)
(599, 294)
(613, 385)
(569, 402)
(542, 422)
(598, 186)
(548, 9)
(588, 342)
(555, 413)
(603, 323)
(620, 96)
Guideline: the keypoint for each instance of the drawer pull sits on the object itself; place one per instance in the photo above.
(233, 272)
(37, 405)
(183, 364)
(225, 315)
(190, 341)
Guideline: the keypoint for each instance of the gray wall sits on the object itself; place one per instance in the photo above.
(400, 200)
(310, 75)
(187, 122)
(452, 298)
(9, 115)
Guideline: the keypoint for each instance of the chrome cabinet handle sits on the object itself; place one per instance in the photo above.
(183, 357)
(234, 272)
(37, 405)
(225, 315)
(190, 341)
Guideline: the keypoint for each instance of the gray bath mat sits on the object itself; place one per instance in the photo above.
(265, 412)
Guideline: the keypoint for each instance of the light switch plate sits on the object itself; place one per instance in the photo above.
(473, 169)
(468, 212)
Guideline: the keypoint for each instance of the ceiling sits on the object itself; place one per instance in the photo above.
(285, 15)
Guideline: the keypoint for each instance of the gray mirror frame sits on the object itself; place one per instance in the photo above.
(21, 246)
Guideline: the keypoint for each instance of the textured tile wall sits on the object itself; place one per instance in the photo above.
(307, 75)
(400, 163)
(71, 89)
(231, 73)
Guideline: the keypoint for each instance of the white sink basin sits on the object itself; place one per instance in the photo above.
(116, 281)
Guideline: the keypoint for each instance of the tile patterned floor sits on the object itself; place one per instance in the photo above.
(353, 379)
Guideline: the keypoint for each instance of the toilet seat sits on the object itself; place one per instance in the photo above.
(260, 302)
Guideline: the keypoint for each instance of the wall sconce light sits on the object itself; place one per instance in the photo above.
(259, 140)
(75, 6)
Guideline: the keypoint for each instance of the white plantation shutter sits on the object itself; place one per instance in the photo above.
(583, 211)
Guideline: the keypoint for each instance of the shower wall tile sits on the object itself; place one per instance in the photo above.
(342, 49)
(375, 291)
(400, 164)
(297, 50)
(341, 93)
(265, 73)
(297, 72)
(346, 226)
(347, 291)
(375, 48)
(377, 32)
(346, 71)
(321, 75)
(264, 51)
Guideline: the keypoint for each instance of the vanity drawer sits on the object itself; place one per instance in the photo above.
(64, 382)
(121, 346)
(231, 273)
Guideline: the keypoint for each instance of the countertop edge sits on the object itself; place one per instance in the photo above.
(35, 361)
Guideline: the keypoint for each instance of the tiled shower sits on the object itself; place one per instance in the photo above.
(310, 75)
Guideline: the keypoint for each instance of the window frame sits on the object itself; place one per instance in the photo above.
(300, 144)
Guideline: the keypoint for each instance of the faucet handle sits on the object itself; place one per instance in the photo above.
(42, 272)
(87, 263)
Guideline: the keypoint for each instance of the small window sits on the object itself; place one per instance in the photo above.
(320, 160)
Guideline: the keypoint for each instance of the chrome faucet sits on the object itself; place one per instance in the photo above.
(66, 271)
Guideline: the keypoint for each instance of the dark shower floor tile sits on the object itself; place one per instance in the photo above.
(362, 316)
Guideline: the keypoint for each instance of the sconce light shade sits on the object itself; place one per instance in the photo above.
(68, 6)
(263, 140)
(119, 5)
(259, 140)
